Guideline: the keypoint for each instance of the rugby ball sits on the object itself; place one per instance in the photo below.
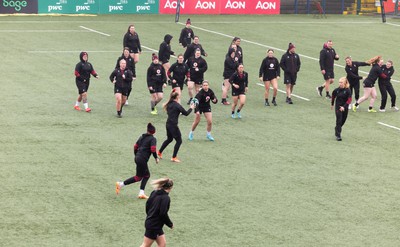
(195, 101)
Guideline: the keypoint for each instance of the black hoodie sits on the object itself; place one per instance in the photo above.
(165, 49)
(83, 69)
(157, 207)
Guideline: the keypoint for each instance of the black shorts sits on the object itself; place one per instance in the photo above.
(164, 61)
(269, 78)
(153, 234)
(125, 91)
(197, 81)
(142, 169)
(177, 84)
(157, 89)
(368, 84)
(202, 109)
(329, 75)
(289, 78)
(134, 50)
(237, 92)
(83, 87)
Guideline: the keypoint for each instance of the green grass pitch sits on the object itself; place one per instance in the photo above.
(277, 177)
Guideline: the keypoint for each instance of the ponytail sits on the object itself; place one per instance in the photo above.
(173, 96)
(162, 183)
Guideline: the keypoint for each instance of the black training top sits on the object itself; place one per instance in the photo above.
(83, 70)
(239, 79)
(230, 66)
(290, 63)
(342, 96)
(157, 207)
(197, 66)
(174, 109)
(145, 146)
(132, 41)
(186, 36)
(205, 97)
(165, 52)
(117, 74)
(327, 58)
(130, 64)
(191, 50)
(178, 71)
(269, 68)
(388, 72)
(156, 75)
(374, 74)
(352, 71)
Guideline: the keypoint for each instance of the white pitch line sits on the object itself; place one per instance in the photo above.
(41, 31)
(392, 24)
(294, 95)
(390, 126)
(267, 46)
(92, 30)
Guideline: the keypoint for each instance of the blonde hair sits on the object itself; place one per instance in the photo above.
(172, 97)
(162, 183)
(346, 82)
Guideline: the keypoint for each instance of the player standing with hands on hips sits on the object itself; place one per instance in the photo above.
(341, 98)
(143, 148)
(83, 70)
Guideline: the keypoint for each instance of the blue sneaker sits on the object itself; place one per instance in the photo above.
(233, 115)
(190, 136)
(238, 115)
(209, 137)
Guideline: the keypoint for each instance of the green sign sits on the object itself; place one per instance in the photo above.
(69, 6)
(129, 7)
(98, 6)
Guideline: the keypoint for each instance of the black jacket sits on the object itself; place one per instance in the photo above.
(375, 73)
(199, 63)
(132, 41)
(327, 58)
(186, 36)
(269, 68)
(156, 75)
(165, 52)
(83, 70)
(191, 49)
(120, 81)
(388, 72)
(352, 71)
(178, 72)
(342, 96)
(157, 207)
(230, 66)
(290, 63)
(130, 64)
(205, 98)
(145, 146)
(241, 80)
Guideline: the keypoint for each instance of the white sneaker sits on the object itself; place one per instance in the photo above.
(395, 108)
(382, 110)
(126, 103)
(349, 107)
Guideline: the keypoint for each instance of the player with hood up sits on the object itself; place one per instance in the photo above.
(83, 70)
(165, 52)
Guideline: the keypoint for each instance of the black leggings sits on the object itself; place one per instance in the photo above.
(355, 85)
(385, 88)
(341, 117)
(173, 132)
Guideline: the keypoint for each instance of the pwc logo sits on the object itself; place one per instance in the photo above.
(79, 8)
(173, 4)
(235, 5)
(52, 8)
(115, 8)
